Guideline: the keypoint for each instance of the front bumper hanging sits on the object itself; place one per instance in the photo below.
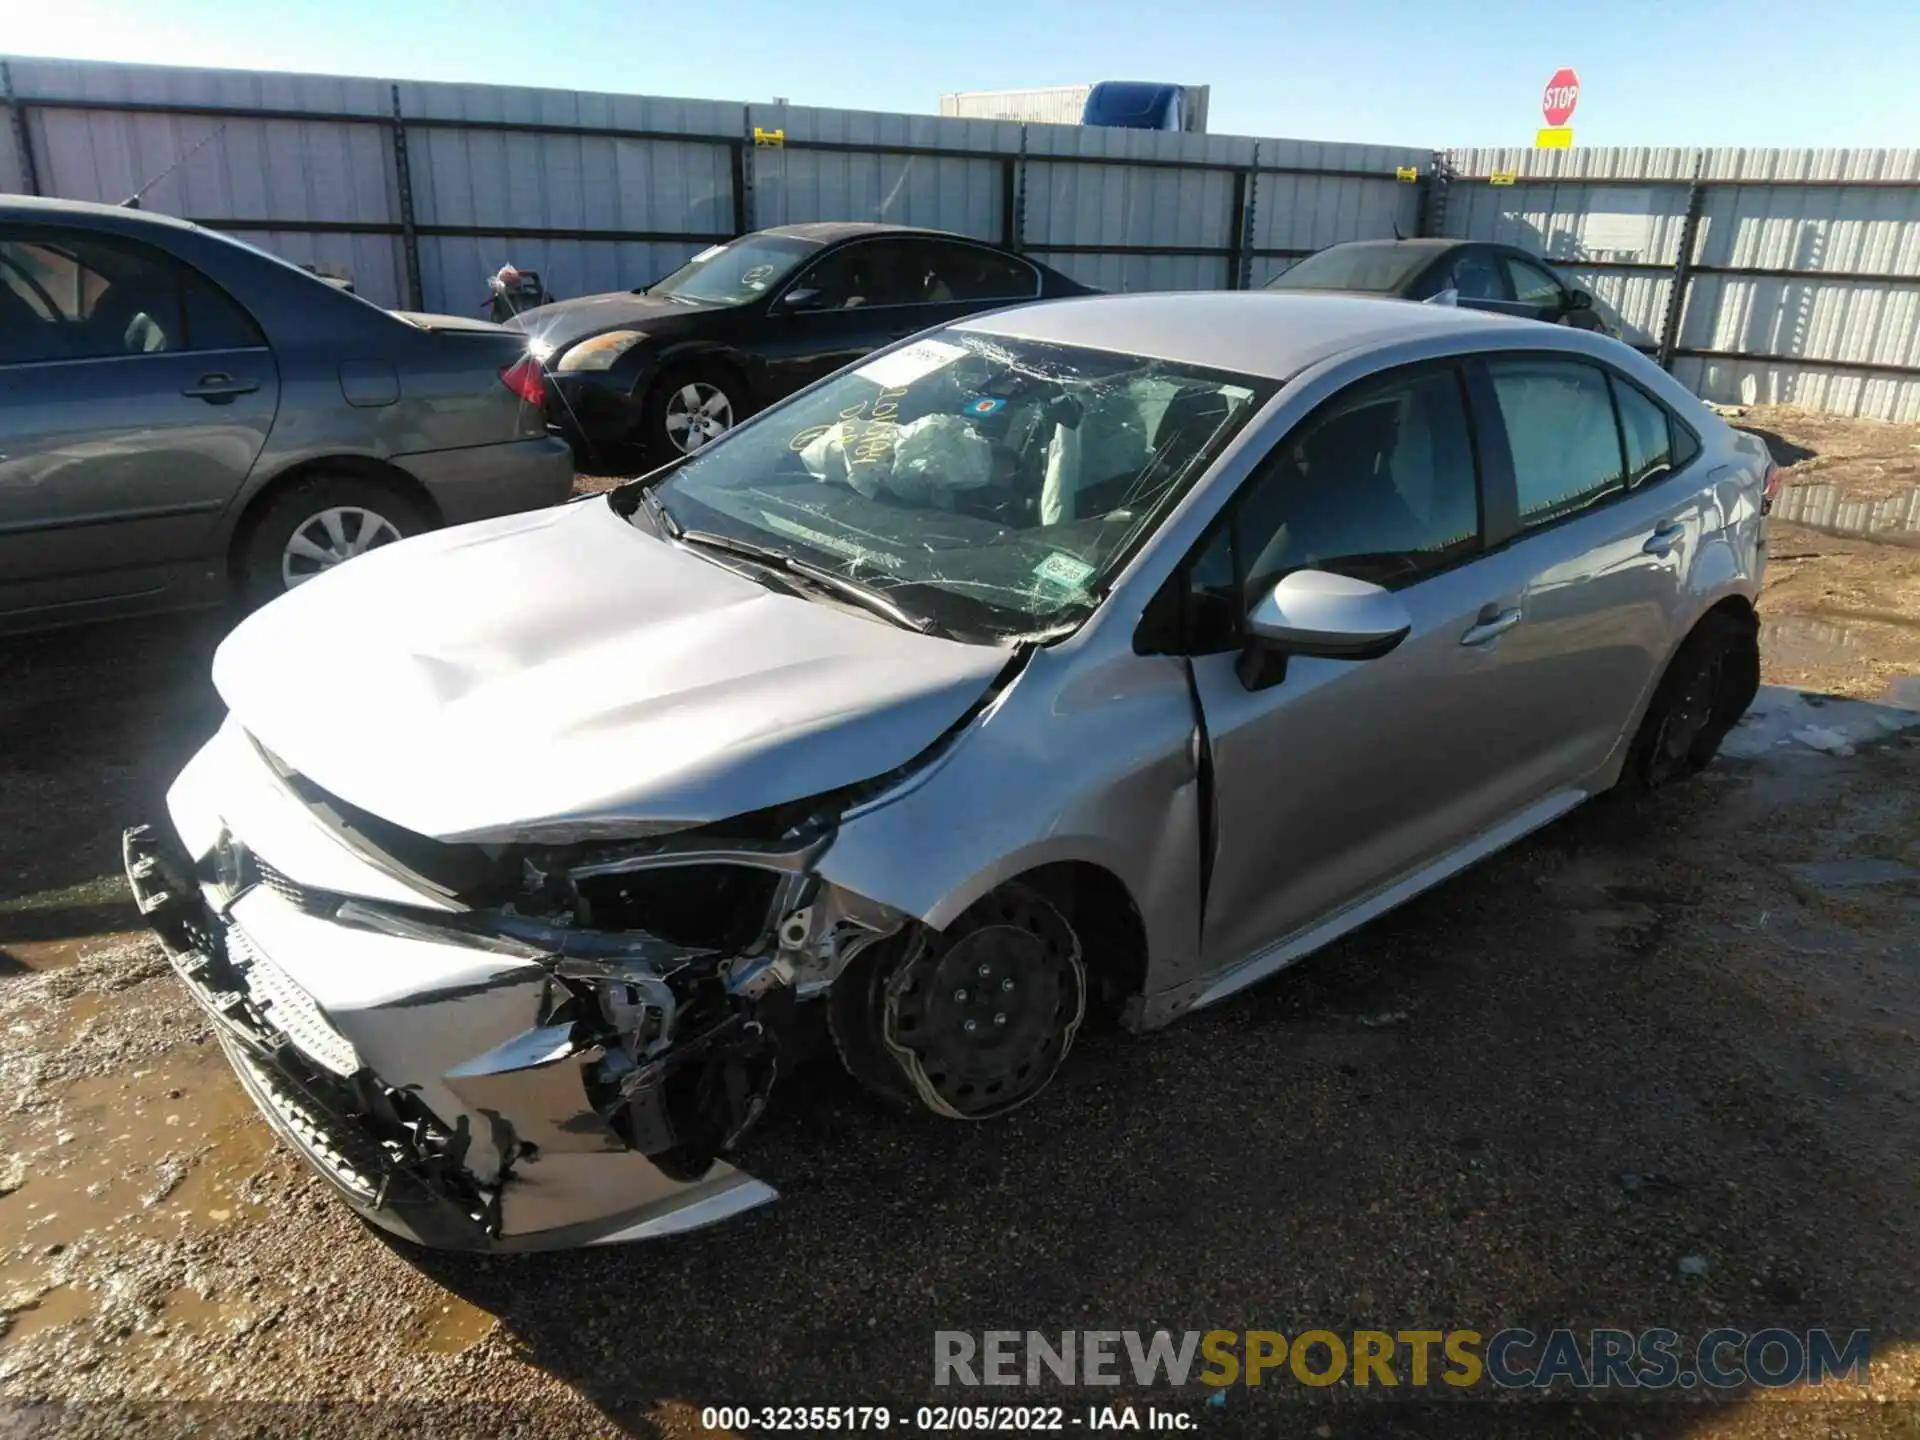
(520, 1113)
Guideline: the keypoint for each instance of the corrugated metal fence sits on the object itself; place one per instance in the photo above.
(1756, 275)
(420, 190)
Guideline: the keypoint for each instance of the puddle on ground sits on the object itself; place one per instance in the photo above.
(153, 1150)
(450, 1325)
(58, 954)
(1829, 509)
(61, 1305)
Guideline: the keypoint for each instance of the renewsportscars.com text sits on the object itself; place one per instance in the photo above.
(1512, 1358)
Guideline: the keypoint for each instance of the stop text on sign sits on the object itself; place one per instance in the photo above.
(1559, 98)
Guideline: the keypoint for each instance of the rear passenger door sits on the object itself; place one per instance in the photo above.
(1603, 520)
(135, 395)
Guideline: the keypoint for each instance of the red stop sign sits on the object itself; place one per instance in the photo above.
(1562, 94)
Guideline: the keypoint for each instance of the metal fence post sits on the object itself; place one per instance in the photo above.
(1009, 188)
(1430, 214)
(1246, 201)
(409, 235)
(1683, 264)
(17, 113)
(749, 162)
(1020, 196)
(1237, 227)
(738, 159)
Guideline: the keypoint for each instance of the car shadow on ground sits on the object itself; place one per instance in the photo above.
(97, 721)
(1784, 452)
(1523, 1099)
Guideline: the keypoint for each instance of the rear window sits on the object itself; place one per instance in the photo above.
(1383, 269)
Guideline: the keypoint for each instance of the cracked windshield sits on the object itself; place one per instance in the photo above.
(988, 487)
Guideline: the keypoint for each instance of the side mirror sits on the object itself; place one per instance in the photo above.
(1313, 612)
(800, 298)
(1580, 300)
(1449, 296)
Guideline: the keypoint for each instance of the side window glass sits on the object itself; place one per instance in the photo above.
(1214, 608)
(863, 275)
(1685, 447)
(1559, 419)
(1476, 277)
(1532, 285)
(954, 272)
(1380, 485)
(1644, 426)
(88, 297)
(214, 321)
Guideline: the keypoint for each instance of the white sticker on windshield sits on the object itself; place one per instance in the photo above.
(1067, 571)
(832, 544)
(910, 363)
(707, 254)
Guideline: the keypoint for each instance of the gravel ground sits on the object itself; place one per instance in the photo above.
(1648, 1034)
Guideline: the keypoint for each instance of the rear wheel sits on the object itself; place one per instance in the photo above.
(969, 1022)
(1707, 687)
(318, 523)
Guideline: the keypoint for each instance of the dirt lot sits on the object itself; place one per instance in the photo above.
(1650, 1034)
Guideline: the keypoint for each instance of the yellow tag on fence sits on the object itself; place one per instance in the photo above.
(1407, 173)
(775, 138)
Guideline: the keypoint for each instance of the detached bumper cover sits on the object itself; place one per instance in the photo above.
(408, 1155)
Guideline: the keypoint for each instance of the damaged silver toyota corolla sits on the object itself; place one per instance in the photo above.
(1108, 652)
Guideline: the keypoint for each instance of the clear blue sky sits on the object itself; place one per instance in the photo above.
(1416, 72)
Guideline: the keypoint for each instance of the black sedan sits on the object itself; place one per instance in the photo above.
(1470, 273)
(639, 377)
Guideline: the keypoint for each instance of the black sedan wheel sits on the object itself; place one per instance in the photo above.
(689, 407)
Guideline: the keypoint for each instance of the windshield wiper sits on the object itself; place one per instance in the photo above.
(865, 596)
(658, 513)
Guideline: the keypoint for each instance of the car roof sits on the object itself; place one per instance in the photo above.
(828, 231)
(1434, 244)
(1271, 333)
(31, 208)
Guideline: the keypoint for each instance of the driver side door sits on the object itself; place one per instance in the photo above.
(1345, 774)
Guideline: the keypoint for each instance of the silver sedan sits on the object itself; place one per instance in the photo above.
(1104, 653)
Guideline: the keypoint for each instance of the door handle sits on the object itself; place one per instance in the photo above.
(1492, 626)
(1664, 538)
(219, 387)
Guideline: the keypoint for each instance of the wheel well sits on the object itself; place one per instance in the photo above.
(1736, 606)
(362, 466)
(688, 359)
(1102, 912)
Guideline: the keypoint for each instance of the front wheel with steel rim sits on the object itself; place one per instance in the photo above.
(972, 1021)
(689, 408)
(316, 524)
(1707, 687)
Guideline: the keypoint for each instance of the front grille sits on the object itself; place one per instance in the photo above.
(281, 1002)
(283, 885)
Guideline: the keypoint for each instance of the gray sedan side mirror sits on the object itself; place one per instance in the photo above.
(1314, 612)
(1579, 300)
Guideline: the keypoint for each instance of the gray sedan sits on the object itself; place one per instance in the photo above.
(1104, 653)
(183, 416)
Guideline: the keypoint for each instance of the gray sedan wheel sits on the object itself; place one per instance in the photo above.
(333, 535)
(316, 524)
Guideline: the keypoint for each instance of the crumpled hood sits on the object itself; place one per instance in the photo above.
(566, 667)
(565, 321)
